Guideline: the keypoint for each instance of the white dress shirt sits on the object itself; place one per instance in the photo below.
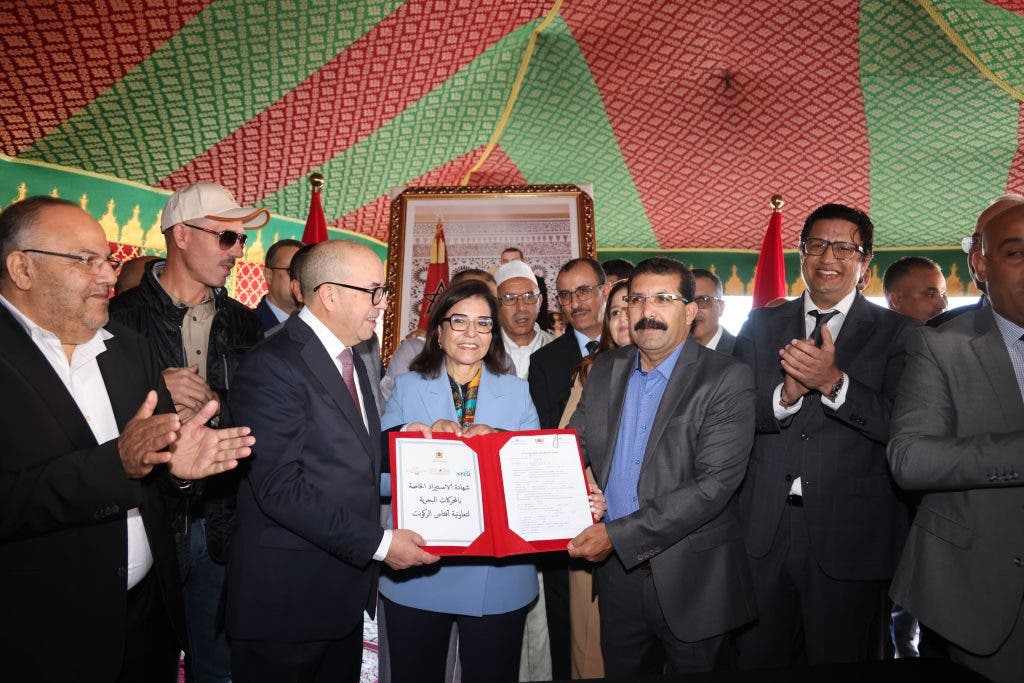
(713, 342)
(334, 347)
(520, 355)
(835, 324)
(81, 376)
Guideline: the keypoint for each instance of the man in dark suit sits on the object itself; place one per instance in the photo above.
(707, 329)
(824, 525)
(278, 303)
(958, 438)
(667, 428)
(304, 559)
(88, 578)
(582, 293)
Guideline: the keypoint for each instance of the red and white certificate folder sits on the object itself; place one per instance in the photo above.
(500, 494)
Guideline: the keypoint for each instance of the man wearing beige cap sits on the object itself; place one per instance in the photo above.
(200, 335)
(520, 306)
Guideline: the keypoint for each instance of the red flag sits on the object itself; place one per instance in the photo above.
(770, 278)
(437, 273)
(316, 223)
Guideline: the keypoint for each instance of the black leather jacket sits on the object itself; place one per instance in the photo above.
(148, 309)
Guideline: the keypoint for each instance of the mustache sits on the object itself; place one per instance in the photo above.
(581, 309)
(649, 324)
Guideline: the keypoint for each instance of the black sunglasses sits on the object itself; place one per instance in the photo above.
(228, 238)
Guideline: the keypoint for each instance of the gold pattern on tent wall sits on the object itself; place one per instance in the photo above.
(734, 285)
(956, 287)
(22, 192)
(797, 288)
(109, 224)
(255, 252)
(750, 285)
(131, 232)
(874, 287)
(154, 241)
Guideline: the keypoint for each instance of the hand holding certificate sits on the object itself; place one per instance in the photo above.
(506, 493)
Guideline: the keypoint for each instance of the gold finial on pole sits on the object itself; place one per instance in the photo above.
(317, 181)
(777, 202)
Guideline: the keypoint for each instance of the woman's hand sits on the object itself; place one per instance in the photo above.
(598, 505)
(446, 426)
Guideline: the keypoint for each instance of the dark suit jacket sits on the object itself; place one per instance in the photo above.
(958, 437)
(550, 369)
(726, 343)
(268, 320)
(301, 564)
(946, 316)
(63, 499)
(687, 525)
(855, 520)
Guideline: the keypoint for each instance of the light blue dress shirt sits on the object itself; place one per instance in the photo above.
(643, 396)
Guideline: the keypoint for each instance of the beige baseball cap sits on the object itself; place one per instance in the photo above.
(211, 201)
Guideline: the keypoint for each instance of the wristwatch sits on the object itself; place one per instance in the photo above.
(833, 394)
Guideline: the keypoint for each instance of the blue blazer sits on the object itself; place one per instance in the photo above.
(471, 586)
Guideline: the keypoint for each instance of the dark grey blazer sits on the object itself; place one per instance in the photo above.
(726, 343)
(856, 521)
(958, 436)
(687, 526)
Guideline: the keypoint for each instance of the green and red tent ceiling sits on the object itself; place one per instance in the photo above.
(685, 116)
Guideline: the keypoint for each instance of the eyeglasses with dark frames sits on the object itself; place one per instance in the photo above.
(706, 301)
(527, 298)
(93, 263)
(843, 251)
(377, 294)
(659, 300)
(582, 293)
(228, 238)
(460, 323)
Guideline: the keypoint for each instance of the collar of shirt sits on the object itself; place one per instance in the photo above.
(1010, 330)
(836, 323)
(278, 313)
(47, 341)
(333, 345)
(665, 367)
(713, 343)
(582, 340)
(532, 345)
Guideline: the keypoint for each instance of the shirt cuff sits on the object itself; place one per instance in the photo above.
(780, 412)
(840, 398)
(384, 547)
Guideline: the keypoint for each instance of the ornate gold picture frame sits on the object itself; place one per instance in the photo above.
(549, 223)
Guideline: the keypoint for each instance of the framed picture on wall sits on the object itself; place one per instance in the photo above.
(550, 224)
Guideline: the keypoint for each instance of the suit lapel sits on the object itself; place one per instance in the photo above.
(28, 361)
(489, 400)
(990, 350)
(322, 366)
(854, 334)
(436, 393)
(121, 400)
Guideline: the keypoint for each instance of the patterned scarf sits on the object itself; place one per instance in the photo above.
(464, 397)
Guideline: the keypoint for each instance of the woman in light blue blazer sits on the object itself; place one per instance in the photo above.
(461, 382)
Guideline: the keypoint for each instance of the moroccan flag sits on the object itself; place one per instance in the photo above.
(770, 278)
(316, 223)
(437, 273)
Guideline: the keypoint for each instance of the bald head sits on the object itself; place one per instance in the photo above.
(1000, 263)
(998, 206)
(340, 280)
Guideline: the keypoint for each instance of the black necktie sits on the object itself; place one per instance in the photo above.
(592, 347)
(820, 320)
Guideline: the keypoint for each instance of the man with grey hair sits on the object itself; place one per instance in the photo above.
(520, 306)
(710, 299)
(92, 454)
(313, 486)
